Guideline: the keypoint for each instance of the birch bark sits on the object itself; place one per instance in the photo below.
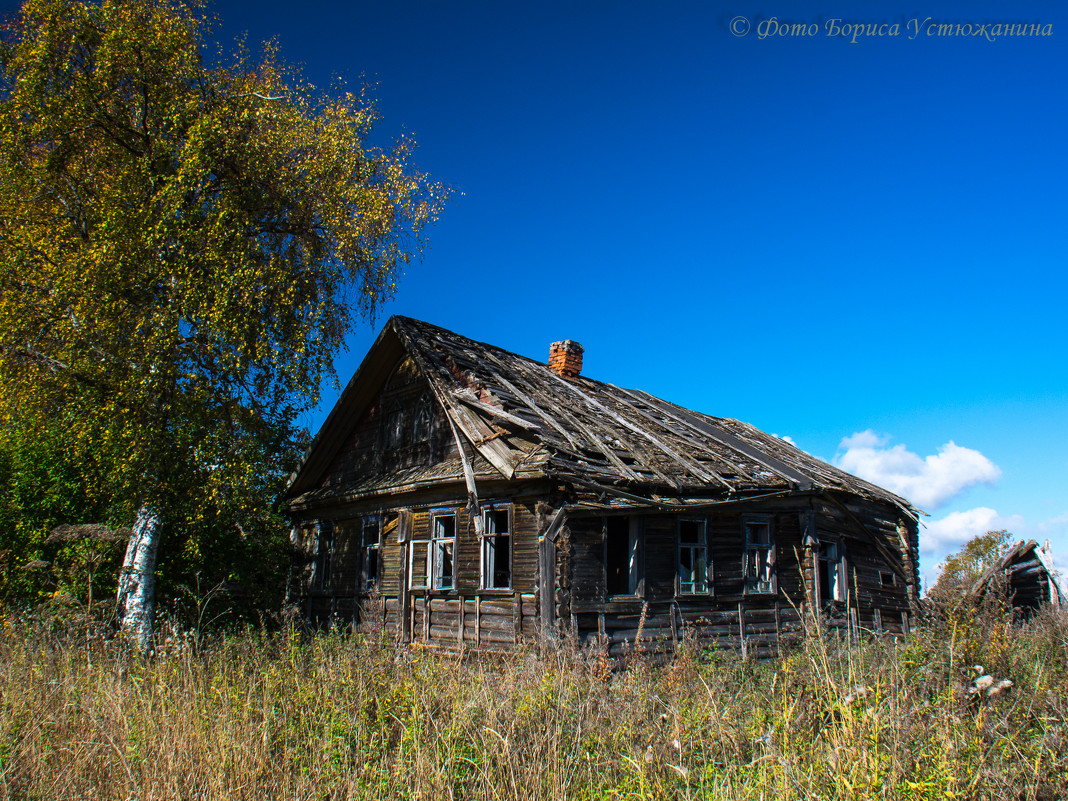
(136, 597)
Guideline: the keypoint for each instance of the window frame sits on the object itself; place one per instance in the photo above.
(438, 546)
(751, 553)
(422, 421)
(636, 557)
(323, 566)
(396, 429)
(413, 548)
(488, 546)
(702, 544)
(367, 583)
(840, 589)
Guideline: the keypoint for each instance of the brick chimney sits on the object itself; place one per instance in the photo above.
(565, 358)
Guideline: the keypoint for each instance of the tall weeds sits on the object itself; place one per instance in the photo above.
(296, 716)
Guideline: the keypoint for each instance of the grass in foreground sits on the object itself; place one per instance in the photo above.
(292, 716)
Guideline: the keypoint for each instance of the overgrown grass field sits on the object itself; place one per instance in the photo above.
(293, 715)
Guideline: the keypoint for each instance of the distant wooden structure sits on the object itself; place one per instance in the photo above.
(1024, 577)
(467, 497)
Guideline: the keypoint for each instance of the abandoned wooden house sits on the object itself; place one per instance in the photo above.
(467, 497)
(1023, 577)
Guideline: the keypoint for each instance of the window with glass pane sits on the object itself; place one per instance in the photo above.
(693, 557)
(496, 548)
(759, 556)
(442, 547)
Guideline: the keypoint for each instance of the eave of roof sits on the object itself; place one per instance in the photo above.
(516, 412)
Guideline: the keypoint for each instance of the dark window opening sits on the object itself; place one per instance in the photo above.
(324, 556)
(421, 423)
(395, 429)
(622, 557)
(759, 557)
(830, 572)
(371, 550)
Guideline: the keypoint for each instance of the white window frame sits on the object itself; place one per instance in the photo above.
(490, 545)
(694, 586)
(758, 558)
(419, 555)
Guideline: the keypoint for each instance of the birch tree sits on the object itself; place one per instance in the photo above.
(183, 248)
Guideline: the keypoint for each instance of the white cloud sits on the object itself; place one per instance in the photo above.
(927, 481)
(946, 535)
(786, 438)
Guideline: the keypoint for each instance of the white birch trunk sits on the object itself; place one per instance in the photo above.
(136, 597)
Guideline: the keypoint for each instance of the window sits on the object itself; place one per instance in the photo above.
(421, 422)
(324, 555)
(442, 548)
(395, 428)
(693, 558)
(372, 548)
(622, 556)
(831, 572)
(888, 578)
(418, 564)
(759, 558)
(496, 548)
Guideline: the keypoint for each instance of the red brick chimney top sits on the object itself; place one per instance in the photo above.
(565, 358)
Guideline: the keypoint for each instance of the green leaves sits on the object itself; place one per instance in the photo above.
(184, 247)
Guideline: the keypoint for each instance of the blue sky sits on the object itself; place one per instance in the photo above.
(858, 245)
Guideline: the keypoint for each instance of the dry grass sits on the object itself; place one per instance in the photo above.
(293, 716)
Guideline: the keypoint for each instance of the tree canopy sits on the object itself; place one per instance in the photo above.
(185, 242)
(962, 569)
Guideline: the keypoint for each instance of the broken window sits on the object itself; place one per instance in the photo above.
(421, 421)
(888, 578)
(372, 548)
(442, 548)
(324, 555)
(694, 566)
(395, 428)
(759, 558)
(831, 572)
(418, 564)
(622, 556)
(496, 548)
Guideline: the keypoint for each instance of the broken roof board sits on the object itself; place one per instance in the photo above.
(515, 410)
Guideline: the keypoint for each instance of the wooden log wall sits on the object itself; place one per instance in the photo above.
(727, 616)
(464, 622)
(422, 614)
(659, 626)
(877, 593)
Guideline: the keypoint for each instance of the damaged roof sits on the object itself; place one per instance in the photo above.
(525, 420)
(1026, 572)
